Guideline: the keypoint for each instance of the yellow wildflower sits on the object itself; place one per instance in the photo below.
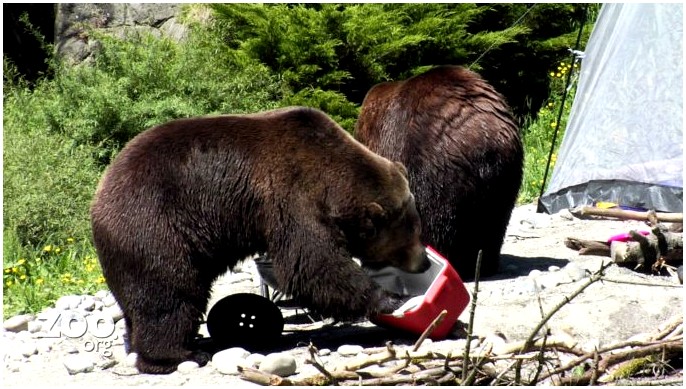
(39, 281)
(22, 277)
(558, 75)
(8, 283)
(8, 270)
(70, 240)
(21, 261)
(100, 280)
(15, 270)
(553, 124)
(47, 248)
(57, 250)
(552, 74)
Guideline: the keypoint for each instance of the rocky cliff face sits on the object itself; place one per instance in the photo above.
(73, 21)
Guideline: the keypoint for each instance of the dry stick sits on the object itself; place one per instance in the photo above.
(541, 353)
(585, 357)
(674, 346)
(387, 355)
(313, 361)
(642, 283)
(262, 378)
(502, 373)
(430, 329)
(661, 382)
(594, 371)
(672, 325)
(472, 311)
(630, 215)
(567, 299)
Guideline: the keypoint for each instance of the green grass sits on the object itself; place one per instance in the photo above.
(538, 135)
(33, 278)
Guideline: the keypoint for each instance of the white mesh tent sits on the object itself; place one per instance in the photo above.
(624, 138)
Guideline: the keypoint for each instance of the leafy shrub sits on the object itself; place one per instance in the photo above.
(144, 80)
(538, 133)
(60, 135)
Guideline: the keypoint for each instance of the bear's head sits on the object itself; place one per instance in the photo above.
(384, 229)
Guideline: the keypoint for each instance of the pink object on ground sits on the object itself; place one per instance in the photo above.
(625, 237)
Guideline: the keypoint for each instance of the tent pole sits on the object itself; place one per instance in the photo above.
(540, 208)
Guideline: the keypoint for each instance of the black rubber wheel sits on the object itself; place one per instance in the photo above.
(245, 320)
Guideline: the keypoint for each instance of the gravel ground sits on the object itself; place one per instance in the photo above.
(536, 265)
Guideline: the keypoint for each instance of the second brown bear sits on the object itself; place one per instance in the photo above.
(462, 149)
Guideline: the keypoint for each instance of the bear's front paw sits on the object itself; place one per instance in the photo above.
(200, 357)
(386, 303)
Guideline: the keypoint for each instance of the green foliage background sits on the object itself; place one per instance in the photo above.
(63, 130)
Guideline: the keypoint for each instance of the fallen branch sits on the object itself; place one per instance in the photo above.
(472, 312)
(673, 347)
(627, 215)
(430, 329)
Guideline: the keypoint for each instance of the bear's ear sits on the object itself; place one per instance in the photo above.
(373, 212)
(402, 168)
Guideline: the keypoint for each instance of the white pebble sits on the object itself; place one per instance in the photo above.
(281, 364)
(234, 352)
(348, 350)
(534, 273)
(324, 352)
(109, 300)
(78, 364)
(35, 326)
(130, 360)
(114, 312)
(575, 271)
(227, 361)
(120, 324)
(187, 367)
(68, 302)
(17, 323)
(87, 303)
(105, 363)
(553, 268)
(101, 294)
(254, 360)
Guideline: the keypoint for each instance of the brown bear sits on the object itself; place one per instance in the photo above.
(185, 201)
(459, 142)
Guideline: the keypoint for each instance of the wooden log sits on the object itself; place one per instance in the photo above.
(588, 247)
(627, 215)
(648, 250)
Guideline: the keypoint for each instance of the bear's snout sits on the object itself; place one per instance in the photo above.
(419, 263)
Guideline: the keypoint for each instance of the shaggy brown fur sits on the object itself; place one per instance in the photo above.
(187, 200)
(463, 152)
